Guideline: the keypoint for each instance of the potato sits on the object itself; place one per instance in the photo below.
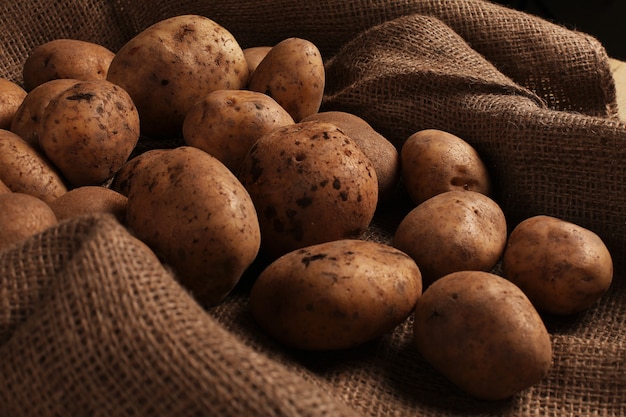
(310, 183)
(171, 65)
(27, 120)
(25, 170)
(292, 73)
(453, 231)
(11, 97)
(123, 178)
(335, 295)
(563, 268)
(226, 123)
(22, 216)
(89, 131)
(90, 199)
(254, 55)
(377, 148)
(193, 212)
(483, 334)
(66, 58)
(4, 188)
(435, 161)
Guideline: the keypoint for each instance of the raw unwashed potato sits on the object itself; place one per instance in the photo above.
(11, 97)
(335, 295)
(27, 120)
(482, 333)
(89, 130)
(25, 170)
(66, 58)
(123, 178)
(226, 123)
(4, 188)
(562, 267)
(254, 55)
(310, 184)
(90, 199)
(22, 216)
(174, 63)
(376, 147)
(435, 161)
(193, 212)
(292, 73)
(453, 231)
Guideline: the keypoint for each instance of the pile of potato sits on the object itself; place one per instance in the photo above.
(264, 174)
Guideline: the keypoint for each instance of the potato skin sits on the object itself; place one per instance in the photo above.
(435, 161)
(66, 58)
(89, 131)
(123, 178)
(335, 295)
(90, 199)
(453, 231)
(25, 170)
(4, 188)
(292, 73)
(254, 55)
(22, 216)
(563, 268)
(310, 183)
(191, 210)
(11, 97)
(482, 333)
(226, 123)
(169, 66)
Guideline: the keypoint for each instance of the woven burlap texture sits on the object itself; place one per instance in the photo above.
(92, 324)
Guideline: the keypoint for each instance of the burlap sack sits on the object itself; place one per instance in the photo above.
(92, 324)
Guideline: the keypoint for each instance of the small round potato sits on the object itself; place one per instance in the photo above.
(562, 267)
(483, 334)
(292, 73)
(171, 65)
(435, 161)
(191, 210)
(335, 295)
(66, 58)
(453, 231)
(310, 184)
(11, 97)
(25, 170)
(90, 199)
(377, 148)
(22, 216)
(226, 123)
(27, 120)
(89, 131)
(254, 55)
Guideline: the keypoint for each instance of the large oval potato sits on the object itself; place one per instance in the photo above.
(89, 130)
(292, 73)
(310, 183)
(191, 210)
(482, 333)
(11, 97)
(335, 295)
(562, 267)
(90, 199)
(22, 216)
(169, 66)
(226, 123)
(25, 170)
(453, 231)
(66, 58)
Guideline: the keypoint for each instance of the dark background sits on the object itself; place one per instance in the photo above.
(604, 19)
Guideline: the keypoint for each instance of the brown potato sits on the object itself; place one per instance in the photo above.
(226, 123)
(193, 212)
(123, 178)
(66, 58)
(4, 188)
(24, 170)
(377, 148)
(292, 73)
(482, 333)
(562, 267)
(171, 65)
(90, 199)
(11, 97)
(254, 55)
(22, 216)
(335, 295)
(453, 231)
(27, 120)
(89, 131)
(310, 184)
(434, 161)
